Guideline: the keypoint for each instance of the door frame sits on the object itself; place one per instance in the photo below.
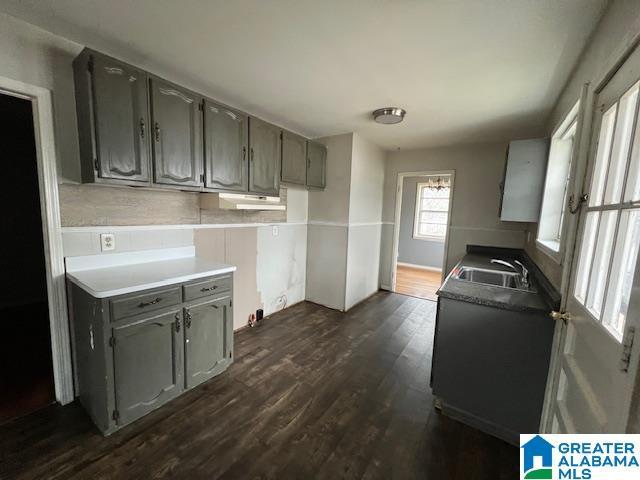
(579, 185)
(398, 212)
(42, 105)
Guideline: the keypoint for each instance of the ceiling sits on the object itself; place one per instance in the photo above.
(465, 70)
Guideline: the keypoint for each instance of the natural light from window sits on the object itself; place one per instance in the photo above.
(556, 186)
(432, 205)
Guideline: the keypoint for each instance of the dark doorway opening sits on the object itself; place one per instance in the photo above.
(26, 369)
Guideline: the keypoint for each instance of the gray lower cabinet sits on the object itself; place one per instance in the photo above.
(177, 135)
(135, 352)
(147, 364)
(113, 123)
(264, 155)
(208, 340)
(316, 165)
(226, 144)
(294, 158)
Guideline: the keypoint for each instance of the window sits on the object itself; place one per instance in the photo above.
(611, 236)
(556, 185)
(432, 205)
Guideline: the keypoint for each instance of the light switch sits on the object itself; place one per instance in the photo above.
(107, 241)
(274, 230)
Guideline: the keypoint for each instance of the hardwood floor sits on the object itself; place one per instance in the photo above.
(417, 282)
(313, 393)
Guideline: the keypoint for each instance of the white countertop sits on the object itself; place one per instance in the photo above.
(116, 274)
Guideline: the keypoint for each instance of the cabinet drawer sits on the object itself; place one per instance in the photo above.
(206, 287)
(144, 302)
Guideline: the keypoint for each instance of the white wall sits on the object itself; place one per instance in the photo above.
(327, 230)
(476, 196)
(365, 216)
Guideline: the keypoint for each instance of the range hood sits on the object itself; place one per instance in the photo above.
(238, 201)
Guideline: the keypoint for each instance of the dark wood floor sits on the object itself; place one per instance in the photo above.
(313, 393)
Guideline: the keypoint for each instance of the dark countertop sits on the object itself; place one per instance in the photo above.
(544, 299)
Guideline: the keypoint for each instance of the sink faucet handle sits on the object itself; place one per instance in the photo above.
(525, 270)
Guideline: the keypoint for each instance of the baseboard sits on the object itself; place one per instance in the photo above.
(246, 325)
(421, 267)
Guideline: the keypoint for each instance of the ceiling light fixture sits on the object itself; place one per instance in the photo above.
(389, 115)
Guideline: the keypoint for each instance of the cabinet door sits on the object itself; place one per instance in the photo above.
(148, 364)
(294, 158)
(316, 165)
(265, 150)
(226, 143)
(119, 101)
(177, 134)
(208, 340)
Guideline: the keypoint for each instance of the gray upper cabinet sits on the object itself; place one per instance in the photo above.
(316, 165)
(208, 340)
(113, 124)
(147, 364)
(264, 155)
(523, 182)
(226, 143)
(294, 158)
(177, 134)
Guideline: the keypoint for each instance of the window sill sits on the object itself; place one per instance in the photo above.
(429, 239)
(552, 248)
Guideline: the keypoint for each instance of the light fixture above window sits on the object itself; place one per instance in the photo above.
(389, 115)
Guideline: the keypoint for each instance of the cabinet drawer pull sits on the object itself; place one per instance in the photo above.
(157, 132)
(205, 289)
(152, 302)
(214, 305)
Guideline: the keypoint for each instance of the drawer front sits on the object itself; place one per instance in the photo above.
(206, 287)
(144, 302)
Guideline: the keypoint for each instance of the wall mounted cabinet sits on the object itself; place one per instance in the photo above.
(264, 157)
(523, 181)
(140, 130)
(135, 352)
(316, 165)
(294, 159)
(226, 144)
(113, 122)
(177, 134)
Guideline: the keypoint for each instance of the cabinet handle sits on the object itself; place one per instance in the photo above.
(152, 302)
(187, 321)
(142, 127)
(214, 305)
(177, 323)
(244, 153)
(157, 132)
(204, 289)
(251, 153)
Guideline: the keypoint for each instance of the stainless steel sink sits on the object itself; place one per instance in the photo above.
(496, 278)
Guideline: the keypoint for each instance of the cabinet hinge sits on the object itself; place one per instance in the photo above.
(200, 107)
(112, 342)
(231, 303)
(95, 164)
(90, 65)
(202, 178)
(230, 354)
(116, 415)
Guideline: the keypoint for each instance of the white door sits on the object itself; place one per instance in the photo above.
(597, 365)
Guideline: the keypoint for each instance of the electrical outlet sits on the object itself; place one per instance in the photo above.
(275, 230)
(107, 241)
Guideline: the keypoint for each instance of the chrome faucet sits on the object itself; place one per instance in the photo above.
(524, 273)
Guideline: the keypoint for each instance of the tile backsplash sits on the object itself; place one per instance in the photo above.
(88, 242)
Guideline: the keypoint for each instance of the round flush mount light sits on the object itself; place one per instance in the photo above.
(389, 115)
